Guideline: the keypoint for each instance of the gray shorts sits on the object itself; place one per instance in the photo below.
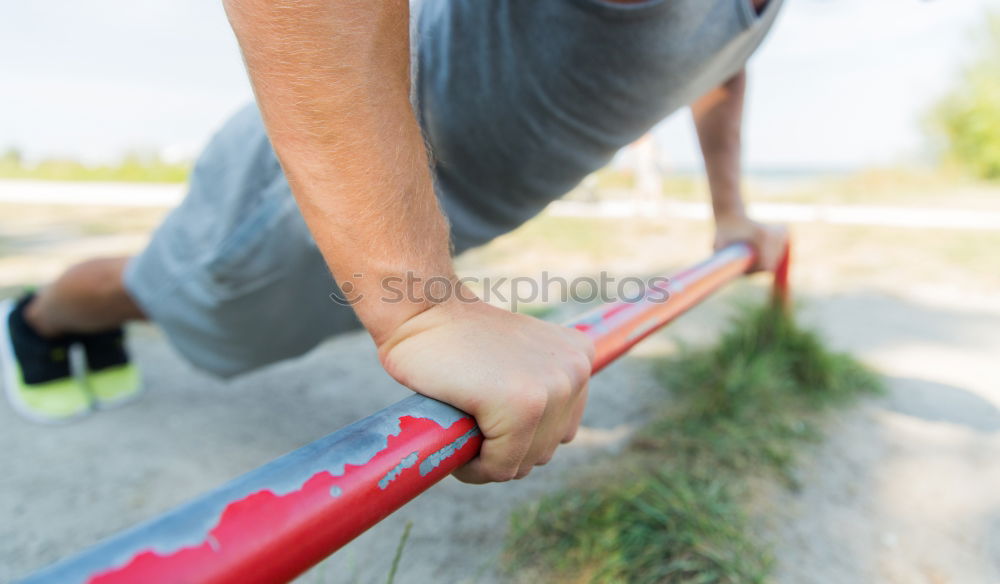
(519, 101)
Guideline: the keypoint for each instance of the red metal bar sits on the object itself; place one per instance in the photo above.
(617, 327)
(780, 294)
(276, 522)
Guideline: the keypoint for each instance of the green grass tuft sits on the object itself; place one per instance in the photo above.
(672, 509)
(130, 169)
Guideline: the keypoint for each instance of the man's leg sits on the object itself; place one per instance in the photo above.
(82, 311)
(232, 276)
(89, 297)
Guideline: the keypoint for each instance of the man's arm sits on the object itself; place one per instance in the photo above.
(718, 118)
(332, 81)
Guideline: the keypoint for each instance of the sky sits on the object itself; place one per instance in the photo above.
(839, 83)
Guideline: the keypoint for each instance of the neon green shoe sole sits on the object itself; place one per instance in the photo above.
(57, 401)
(114, 386)
(60, 400)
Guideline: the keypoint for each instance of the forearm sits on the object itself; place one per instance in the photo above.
(332, 82)
(718, 117)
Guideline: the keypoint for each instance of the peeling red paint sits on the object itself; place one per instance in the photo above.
(266, 537)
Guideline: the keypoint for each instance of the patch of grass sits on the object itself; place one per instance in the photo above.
(399, 552)
(130, 169)
(672, 508)
(610, 179)
(597, 238)
(895, 186)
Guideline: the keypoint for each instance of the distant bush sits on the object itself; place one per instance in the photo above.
(131, 168)
(969, 117)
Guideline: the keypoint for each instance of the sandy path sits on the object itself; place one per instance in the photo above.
(906, 489)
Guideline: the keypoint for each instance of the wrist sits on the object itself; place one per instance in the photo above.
(727, 200)
(734, 216)
(462, 307)
(398, 300)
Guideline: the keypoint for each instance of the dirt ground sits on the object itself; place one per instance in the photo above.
(906, 489)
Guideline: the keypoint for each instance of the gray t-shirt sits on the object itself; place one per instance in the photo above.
(521, 99)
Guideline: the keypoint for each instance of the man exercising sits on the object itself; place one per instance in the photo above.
(515, 101)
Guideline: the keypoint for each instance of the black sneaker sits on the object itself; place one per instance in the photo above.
(39, 377)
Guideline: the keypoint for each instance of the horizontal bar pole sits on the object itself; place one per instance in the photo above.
(274, 523)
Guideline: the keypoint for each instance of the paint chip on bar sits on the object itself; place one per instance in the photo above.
(432, 461)
(410, 460)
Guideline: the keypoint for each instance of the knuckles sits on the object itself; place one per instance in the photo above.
(530, 404)
(589, 349)
(580, 367)
(561, 387)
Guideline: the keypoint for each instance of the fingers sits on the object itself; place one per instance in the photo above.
(485, 468)
(586, 345)
(581, 372)
(559, 419)
(771, 245)
(529, 406)
(513, 454)
(500, 458)
(768, 241)
(580, 364)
